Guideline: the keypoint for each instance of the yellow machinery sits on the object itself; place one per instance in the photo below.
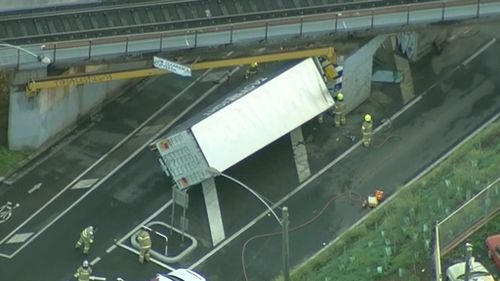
(34, 86)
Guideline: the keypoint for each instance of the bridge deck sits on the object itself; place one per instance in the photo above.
(152, 16)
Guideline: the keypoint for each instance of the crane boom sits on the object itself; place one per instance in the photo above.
(34, 86)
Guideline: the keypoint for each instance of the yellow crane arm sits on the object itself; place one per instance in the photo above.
(34, 86)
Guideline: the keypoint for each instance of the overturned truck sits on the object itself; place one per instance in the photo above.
(254, 116)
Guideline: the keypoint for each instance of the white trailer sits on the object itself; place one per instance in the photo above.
(245, 122)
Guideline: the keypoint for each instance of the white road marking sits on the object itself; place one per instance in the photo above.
(300, 154)
(94, 261)
(149, 130)
(157, 262)
(35, 187)
(319, 173)
(106, 155)
(213, 211)
(413, 180)
(85, 183)
(19, 238)
(115, 148)
(135, 229)
(481, 50)
(110, 249)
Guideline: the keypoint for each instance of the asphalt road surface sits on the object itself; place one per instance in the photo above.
(137, 192)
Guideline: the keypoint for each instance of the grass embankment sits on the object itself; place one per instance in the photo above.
(396, 237)
(10, 160)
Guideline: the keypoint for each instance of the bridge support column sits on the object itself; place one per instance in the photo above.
(357, 75)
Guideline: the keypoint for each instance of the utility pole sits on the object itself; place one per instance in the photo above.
(284, 221)
(286, 250)
(468, 254)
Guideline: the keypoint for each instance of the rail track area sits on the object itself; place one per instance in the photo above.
(134, 18)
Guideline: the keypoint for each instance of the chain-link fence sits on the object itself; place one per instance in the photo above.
(456, 227)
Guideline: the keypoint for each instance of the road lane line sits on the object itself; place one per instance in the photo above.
(413, 180)
(300, 154)
(94, 261)
(137, 227)
(213, 88)
(87, 183)
(110, 249)
(213, 211)
(35, 187)
(104, 156)
(155, 261)
(19, 238)
(480, 51)
(319, 173)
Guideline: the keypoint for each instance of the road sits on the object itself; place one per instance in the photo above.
(443, 113)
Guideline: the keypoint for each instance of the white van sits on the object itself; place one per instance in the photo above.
(478, 272)
(180, 274)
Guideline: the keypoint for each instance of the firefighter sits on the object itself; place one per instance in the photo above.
(252, 70)
(83, 272)
(366, 130)
(339, 110)
(86, 239)
(144, 241)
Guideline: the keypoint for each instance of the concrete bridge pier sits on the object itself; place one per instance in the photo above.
(36, 121)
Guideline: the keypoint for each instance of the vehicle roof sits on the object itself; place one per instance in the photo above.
(186, 275)
(180, 274)
(459, 269)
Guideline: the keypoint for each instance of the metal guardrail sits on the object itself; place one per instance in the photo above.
(461, 223)
(346, 21)
(160, 15)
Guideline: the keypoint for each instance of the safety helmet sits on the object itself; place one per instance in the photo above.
(254, 64)
(91, 229)
(340, 96)
(368, 118)
(85, 263)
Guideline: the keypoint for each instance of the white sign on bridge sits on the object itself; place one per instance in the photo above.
(171, 66)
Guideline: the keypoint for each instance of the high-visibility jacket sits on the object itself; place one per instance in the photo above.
(366, 128)
(88, 235)
(144, 240)
(83, 274)
(339, 107)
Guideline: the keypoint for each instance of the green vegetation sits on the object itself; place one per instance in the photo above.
(10, 160)
(396, 237)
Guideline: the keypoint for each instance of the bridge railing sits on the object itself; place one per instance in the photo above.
(461, 223)
(324, 23)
